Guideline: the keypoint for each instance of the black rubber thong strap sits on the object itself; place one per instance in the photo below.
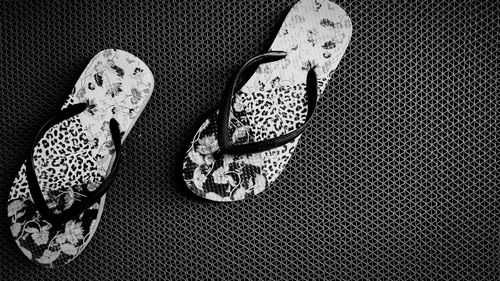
(226, 144)
(92, 198)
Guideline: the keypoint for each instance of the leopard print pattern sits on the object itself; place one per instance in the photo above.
(72, 158)
(273, 112)
(273, 102)
(64, 150)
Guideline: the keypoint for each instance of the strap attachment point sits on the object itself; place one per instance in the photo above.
(92, 198)
(226, 143)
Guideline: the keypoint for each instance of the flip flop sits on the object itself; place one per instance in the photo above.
(244, 146)
(57, 198)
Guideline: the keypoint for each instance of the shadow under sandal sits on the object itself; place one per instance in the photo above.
(57, 198)
(244, 146)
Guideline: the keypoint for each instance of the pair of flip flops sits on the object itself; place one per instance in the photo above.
(57, 198)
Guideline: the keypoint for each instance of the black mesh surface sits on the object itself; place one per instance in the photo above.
(396, 179)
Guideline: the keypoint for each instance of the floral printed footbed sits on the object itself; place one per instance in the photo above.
(273, 102)
(73, 157)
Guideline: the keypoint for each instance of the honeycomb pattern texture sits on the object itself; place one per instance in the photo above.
(397, 178)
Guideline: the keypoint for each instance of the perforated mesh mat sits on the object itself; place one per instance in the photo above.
(397, 178)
